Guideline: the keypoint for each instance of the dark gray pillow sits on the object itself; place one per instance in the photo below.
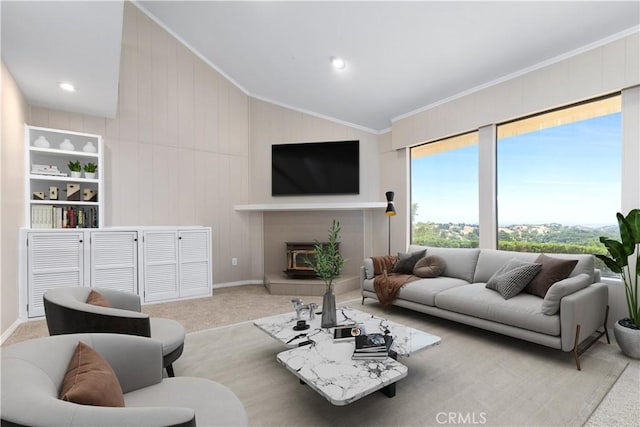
(406, 262)
(429, 266)
(553, 270)
(512, 277)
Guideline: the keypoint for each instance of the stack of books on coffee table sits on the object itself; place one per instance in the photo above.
(372, 347)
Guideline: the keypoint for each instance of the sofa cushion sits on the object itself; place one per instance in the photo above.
(461, 262)
(553, 270)
(368, 268)
(96, 298)
(551, 302)
(511, 280)
(586, 264)
(422, 291)
(490, 261)
(523, 310)
(429, 266)
(406, 261)
(90, 380)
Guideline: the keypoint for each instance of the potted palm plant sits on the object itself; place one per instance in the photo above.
(624, 259)
(328, 263)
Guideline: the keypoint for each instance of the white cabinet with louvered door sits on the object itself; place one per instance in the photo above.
(55, 260)
(160, 265)
(195, 261)
(114, 260)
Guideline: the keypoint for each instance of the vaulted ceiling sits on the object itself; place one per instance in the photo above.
(400, 56)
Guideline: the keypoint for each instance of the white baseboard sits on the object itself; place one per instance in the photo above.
(238, 283)
(10, 330)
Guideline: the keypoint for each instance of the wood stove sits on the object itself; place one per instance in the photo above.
(300, 258)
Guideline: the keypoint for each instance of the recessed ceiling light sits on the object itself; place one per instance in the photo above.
(67, 86)
(338, 62)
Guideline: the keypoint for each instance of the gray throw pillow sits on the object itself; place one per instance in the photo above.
(406, 262)
(429, 266)
(509, 281)
(551, 302)
(509, 265)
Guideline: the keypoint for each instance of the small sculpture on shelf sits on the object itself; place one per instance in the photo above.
(67, 145)
(73, 192)
(41, 142)
(89, 147)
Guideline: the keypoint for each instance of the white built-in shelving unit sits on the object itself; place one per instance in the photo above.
(46, 211)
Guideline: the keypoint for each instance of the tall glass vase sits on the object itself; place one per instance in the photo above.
(328, 309)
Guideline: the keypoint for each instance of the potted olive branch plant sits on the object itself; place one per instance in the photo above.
(626, 331)
(328, 263)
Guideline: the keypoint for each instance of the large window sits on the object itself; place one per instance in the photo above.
(558, 179)
(444, 192)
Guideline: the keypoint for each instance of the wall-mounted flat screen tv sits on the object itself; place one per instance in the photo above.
(315, 168)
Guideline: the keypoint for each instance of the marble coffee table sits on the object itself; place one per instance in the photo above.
(326, 365)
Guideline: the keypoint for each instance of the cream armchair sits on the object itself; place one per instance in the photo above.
(67, 312)
(33, 372)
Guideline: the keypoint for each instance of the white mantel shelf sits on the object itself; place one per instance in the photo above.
(310, 206)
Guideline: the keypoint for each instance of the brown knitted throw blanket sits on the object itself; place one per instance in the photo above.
(383, 263)
(387, 286)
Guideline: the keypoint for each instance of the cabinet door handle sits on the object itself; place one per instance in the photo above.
(80, 240)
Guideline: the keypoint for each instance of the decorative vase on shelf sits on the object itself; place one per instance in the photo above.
(328, 309)
(67, 145)
(41, 142)
(75, 174)
(90, 175)
(89, 147)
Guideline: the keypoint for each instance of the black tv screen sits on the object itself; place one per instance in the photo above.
(315, 168)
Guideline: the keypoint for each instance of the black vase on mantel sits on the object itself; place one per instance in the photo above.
(328, 309)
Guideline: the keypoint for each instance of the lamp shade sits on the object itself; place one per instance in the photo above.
(391, 210)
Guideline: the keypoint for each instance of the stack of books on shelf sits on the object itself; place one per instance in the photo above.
(47, 216)
(46, 170)
(372, 347)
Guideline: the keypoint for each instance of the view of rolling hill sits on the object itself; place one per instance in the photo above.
(547, 238)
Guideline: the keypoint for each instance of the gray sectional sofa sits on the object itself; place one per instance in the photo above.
(572, 311)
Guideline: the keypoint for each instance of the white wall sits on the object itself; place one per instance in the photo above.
(12, 119)
(177, 153)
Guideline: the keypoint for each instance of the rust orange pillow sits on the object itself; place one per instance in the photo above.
(95, 298)
(90, 380)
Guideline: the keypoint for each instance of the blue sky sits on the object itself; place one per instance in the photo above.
(567, 174)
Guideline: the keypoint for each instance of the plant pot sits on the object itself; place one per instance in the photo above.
(90, 175)
(628, 338)
(328, 309)
(76, 174)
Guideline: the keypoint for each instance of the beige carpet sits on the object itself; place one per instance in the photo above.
(237, 304)
(473, 375)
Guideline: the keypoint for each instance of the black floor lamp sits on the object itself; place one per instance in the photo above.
(391, 211)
